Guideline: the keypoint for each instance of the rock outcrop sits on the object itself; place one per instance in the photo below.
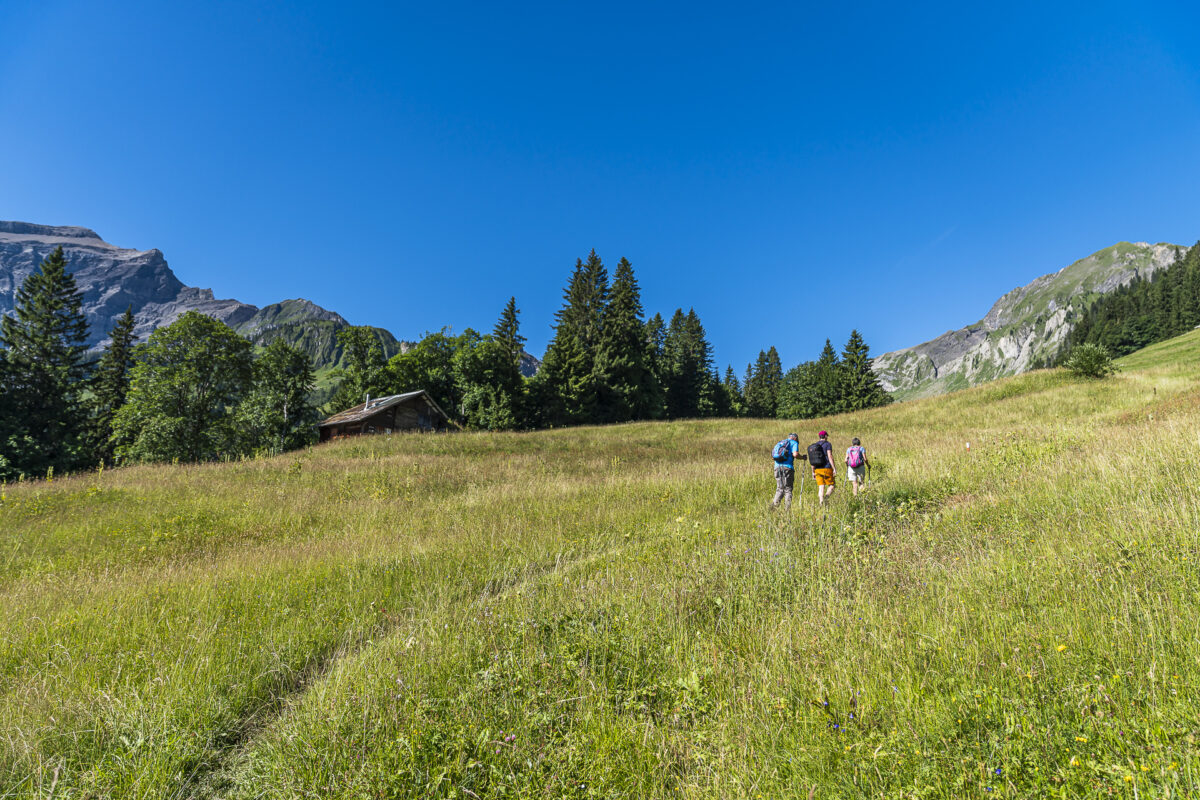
(1026, 328)
(110, 278)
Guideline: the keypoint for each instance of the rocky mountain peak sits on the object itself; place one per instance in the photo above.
(49, 231)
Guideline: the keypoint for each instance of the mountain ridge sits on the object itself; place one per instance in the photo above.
(1025, 328)
(112, 278)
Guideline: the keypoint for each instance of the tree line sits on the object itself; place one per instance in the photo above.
(1144, 311)
(198, 391)
(605, 363)
(194, 391)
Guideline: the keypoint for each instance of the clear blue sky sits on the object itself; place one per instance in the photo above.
(893, 166)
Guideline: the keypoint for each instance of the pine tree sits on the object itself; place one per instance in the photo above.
(110, 385)
(508, 331)
(44, 373)
(860, 387)
(625, 386)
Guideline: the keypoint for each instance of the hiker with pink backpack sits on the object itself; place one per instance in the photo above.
(856, 464)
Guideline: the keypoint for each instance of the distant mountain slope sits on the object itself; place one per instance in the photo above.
(309, 327)
(1024, 329)
(112, 278)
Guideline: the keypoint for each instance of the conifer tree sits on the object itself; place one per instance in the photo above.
(625, 386)
(564, 390)
(44, 341)
(763, 384)
(656, 339)
(508, 331)
(691, 386)
(734, 398)
(755, 400)
(827, 382)
(110, 385)
(860, 387)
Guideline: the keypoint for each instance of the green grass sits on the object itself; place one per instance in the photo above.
(613, 612)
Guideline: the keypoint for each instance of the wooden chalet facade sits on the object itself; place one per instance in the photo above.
(411, 411)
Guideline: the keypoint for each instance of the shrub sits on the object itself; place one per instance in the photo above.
(1091, 361)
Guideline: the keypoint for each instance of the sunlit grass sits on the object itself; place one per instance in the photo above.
(614, 612)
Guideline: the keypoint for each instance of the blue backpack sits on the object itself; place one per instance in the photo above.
(782, 450)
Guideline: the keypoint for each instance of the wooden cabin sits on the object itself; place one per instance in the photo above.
(411, 411)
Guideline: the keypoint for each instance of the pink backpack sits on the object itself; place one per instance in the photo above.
(854, 456)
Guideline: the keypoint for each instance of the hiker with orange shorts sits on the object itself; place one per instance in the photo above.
(820, 458)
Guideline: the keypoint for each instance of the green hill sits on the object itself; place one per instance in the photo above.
(612, 612)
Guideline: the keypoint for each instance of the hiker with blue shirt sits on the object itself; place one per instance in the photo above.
(784, 454)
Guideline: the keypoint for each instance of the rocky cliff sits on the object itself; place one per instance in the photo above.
(1025, 328)
(112, 279)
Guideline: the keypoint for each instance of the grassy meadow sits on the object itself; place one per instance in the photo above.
(614, 612)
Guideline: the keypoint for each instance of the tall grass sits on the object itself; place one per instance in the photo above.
(614, 612)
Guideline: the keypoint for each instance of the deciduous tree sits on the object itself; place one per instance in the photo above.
(184, 388)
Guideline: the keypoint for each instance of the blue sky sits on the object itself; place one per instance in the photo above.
(891, 167)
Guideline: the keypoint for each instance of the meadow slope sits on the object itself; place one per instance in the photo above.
(614, 612)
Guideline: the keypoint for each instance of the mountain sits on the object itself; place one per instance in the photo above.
(1026, 328)
(313, 329)
(112, 278)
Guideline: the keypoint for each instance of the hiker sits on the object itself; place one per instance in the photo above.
(784, 453)
(820, 458)
(856, 464)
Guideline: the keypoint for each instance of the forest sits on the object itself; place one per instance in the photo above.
(1145, 311)
(197, 391)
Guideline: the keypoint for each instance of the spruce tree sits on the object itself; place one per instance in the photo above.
(625, 386)
(564, 390)
(860, 387)
(735, 400)
(508, 331)
(655, 337)
(44, 341)
(691, 387)
(110, 384)
(827, 382)
(755, 400)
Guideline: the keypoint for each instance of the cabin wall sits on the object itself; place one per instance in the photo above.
(415, 415)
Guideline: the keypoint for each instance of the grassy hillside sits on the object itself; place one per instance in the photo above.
(612, 612)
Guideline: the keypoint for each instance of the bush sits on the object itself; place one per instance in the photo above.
(1091, 361)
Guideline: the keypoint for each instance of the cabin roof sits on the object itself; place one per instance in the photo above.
(363, 411)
